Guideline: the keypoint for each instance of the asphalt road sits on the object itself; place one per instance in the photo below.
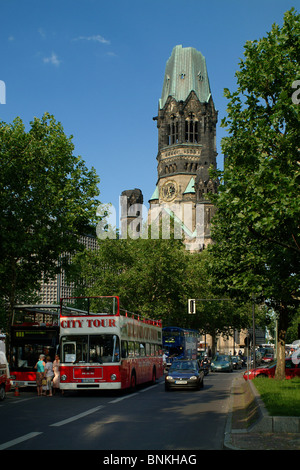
(149, 419)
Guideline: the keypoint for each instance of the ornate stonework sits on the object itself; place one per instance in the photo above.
(186, 123)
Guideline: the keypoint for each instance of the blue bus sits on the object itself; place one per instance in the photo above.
(179, 343)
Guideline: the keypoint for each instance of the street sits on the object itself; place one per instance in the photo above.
(149, 419)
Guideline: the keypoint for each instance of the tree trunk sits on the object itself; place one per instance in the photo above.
(214, 342)
(281, 334)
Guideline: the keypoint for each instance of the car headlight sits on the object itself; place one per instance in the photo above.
(193, 377)
(169, 377)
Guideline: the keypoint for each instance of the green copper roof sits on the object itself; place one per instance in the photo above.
(155, 195)
(185, 71)
(190, 187)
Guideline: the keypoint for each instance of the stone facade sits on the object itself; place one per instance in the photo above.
(186, 123)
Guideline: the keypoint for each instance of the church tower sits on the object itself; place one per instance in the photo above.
(186, 123)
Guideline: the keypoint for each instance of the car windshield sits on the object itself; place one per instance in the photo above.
(183, 366)
(221, 358)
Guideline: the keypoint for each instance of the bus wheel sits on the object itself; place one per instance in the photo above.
(133, 382)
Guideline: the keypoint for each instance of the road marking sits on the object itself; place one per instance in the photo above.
(123, 398)
(149, 388)
(19, 439)
(74, 418)
(17, 401)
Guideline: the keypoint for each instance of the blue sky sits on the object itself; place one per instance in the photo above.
(98, 67)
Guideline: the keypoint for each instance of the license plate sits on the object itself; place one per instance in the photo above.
(181, 382)
(88, 381)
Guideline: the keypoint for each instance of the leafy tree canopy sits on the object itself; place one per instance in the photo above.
(256, 229)
(47, 200)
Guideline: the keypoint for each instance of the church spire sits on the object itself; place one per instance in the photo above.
(186, 125)
(185, 72)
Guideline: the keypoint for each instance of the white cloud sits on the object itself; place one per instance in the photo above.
(53, 59)
(94, 38)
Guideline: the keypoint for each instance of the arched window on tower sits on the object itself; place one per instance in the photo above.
(191, 129)
(173, 131)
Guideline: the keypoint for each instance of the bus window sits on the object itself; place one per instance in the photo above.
(137, 349)
(91, 348)
(124, 349)
(142, 350)
(130, 349)
(69, 352)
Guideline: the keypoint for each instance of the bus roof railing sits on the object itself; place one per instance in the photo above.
(37, 309)
(33, 307)
(120, 311)
(136, 316)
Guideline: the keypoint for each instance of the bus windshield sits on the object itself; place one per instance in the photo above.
(28, 344)
(90, 348)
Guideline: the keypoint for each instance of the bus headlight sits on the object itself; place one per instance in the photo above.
(113, 377)
(63, 378)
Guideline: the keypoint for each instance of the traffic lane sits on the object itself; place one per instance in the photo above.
(149, 419)
(77, 431)
(180, 419)
(28, 412)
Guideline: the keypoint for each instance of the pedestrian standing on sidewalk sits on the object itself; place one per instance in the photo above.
(40, 372)
(49, 375)
(56, 378)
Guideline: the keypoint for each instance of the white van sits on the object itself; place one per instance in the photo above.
(4, 376)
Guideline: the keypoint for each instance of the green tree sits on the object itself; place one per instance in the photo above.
(216, 313)
(47, 200)
(256, 229)
(145, 274)
(155, 278)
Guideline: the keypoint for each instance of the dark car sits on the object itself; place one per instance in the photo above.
(184, 374)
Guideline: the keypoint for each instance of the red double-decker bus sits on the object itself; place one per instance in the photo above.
(105, 347)
(34, 331)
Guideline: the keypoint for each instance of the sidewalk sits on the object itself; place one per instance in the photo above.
(249, 426)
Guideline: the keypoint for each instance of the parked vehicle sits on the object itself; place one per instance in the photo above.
(222, 363)
(291, 370)
(237, 362)
(4, 376)
(267, 358)
(184, 374)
